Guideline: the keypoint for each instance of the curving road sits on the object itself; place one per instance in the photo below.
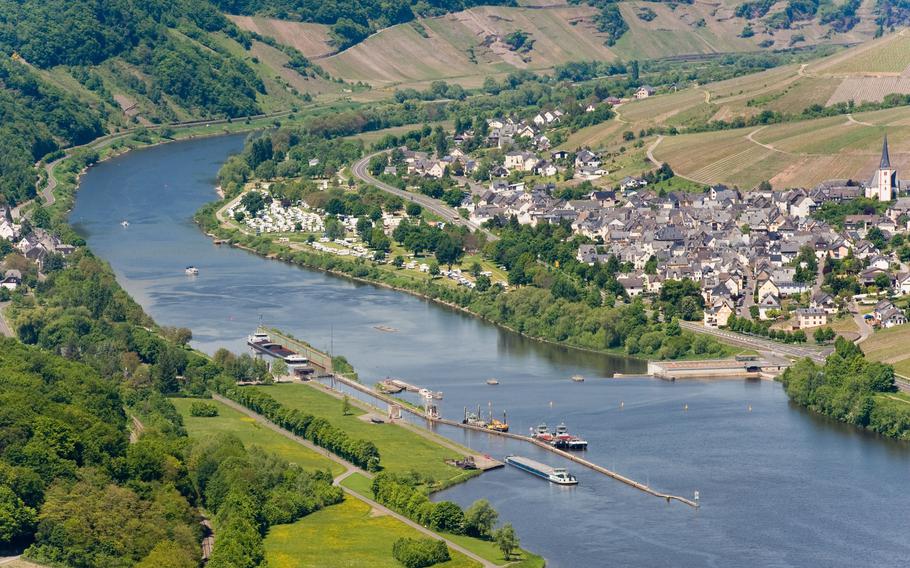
(360, 171)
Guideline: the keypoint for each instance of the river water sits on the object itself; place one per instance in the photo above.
(778, 486)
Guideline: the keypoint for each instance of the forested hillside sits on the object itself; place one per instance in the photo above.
(73, 70)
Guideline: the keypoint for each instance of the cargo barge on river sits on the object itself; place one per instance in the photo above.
(557, 475)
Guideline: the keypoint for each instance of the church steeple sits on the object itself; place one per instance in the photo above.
(886, 159)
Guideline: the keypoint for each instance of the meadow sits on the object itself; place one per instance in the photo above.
(251, 433)
(346, 535)
(401, 448)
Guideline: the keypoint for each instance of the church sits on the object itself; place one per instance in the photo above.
(885, 184)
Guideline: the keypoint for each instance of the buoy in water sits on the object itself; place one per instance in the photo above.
(621, 404)
(551, 404)
(686, 407)
(750, 408)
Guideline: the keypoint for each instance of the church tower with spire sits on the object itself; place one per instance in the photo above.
(884, 185)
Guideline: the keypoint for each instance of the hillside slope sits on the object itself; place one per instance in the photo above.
(465, 46)
(792, 153)
(73, 70)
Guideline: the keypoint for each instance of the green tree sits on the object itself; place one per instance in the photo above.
(506, 540)
(434, 269)
(16, 519)
(345, 405)
(413, 209)
(279, 368)
(447, 516)
(480, 518)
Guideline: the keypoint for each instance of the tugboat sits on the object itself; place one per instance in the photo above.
(557, 475)
(472, 419)
(497, 425)
(542, 433)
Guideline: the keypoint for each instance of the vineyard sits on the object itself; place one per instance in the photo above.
(869, 89)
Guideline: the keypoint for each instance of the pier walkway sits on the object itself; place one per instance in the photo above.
(572, 457)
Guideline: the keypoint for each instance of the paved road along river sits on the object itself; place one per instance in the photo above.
(779, 487)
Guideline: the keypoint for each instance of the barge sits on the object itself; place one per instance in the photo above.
(262, 343)
(557, 475)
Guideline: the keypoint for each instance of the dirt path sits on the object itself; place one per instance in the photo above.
(658, 163)
(351, 469)
(854, 121)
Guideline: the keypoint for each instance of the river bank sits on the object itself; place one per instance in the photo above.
(751, 468)
(456, 298)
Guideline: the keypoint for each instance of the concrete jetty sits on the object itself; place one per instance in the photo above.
(573, 457)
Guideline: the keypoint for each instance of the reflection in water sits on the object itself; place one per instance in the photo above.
(779, 486)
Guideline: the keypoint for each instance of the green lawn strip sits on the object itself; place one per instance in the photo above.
(400, 449)
(484, 548)
(251, 432)
(359, 483)
(342, 536)
(488, 550)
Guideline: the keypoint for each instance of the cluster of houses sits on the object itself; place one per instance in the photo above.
(505, 133)
(35, 246)
(741, 248)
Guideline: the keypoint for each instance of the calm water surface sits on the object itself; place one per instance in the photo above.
(779, 487)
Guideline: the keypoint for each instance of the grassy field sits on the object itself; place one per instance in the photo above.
(251, 433)
(312, 40)
(401, 449)
(348, 535)
(889, 345)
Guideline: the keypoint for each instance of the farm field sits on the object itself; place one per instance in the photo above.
(887, 55)
(312, 40)
(401, 449)
(791, 154)
(251, 433)
(346, 535)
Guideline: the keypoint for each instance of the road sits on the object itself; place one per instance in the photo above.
(351, 469)
(360, 171)
(865, 330)
(817, 354)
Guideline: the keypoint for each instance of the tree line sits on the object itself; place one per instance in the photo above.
(361, 453)
(851, 389)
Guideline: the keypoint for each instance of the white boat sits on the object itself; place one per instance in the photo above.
(427, 393)
(557, 475)
(192, 270)
(492, 382)
(578, 379)
(124, 223)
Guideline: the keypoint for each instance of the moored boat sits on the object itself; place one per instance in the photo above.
(542, 433)
(557, 475)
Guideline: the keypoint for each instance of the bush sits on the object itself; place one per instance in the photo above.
(420, 552)
(203, 409)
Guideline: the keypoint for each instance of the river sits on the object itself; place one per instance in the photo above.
(779, 486)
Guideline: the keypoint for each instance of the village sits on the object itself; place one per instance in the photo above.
(742, 248)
